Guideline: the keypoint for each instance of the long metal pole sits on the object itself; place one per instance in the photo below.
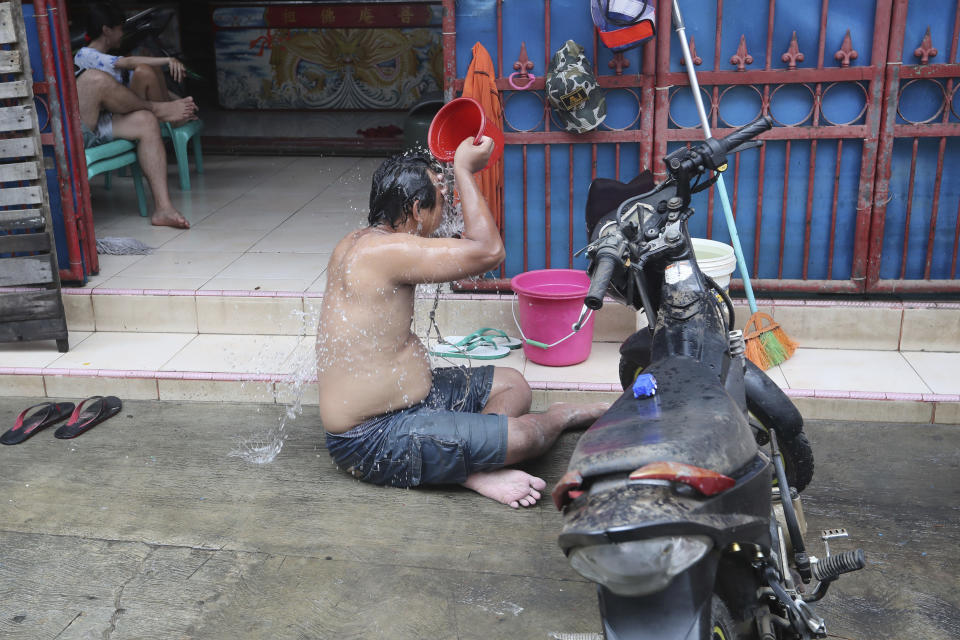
(721, 186)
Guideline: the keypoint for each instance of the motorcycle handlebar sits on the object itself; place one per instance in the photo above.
(606, 263)
(747, 132)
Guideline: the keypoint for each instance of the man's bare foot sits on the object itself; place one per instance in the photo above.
(175, 110)
(169, 218)
(508, 486)
(577, 415)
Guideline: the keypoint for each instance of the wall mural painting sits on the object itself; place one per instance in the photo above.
(347, 57)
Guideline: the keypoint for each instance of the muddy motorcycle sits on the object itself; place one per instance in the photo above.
(682, 501)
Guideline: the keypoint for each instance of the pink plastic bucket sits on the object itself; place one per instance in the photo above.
(549, 302)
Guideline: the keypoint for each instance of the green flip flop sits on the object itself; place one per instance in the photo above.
(496, 336)
(480, 348)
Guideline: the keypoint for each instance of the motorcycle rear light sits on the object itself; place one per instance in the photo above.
(703, 480)
(639, 567)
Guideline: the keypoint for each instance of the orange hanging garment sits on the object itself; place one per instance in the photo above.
(481, 86)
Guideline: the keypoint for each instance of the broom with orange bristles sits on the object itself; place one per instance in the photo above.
(767, 345)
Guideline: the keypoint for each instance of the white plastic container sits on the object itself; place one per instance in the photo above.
(715, 259)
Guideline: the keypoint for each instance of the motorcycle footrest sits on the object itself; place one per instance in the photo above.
(832, 567)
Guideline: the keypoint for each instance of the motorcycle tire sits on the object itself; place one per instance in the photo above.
(797, 461)
(628, 372)
(721, 622)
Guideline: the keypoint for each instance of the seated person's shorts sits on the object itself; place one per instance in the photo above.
(441, 440)
(103, 132)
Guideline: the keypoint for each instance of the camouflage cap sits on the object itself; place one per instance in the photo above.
(572, 90)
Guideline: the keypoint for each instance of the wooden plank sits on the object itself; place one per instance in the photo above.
(7, 33)
(46, 329)
(24, 242)
(19, 118)
(18, 148)
(15, 272)
(15, 89)
(21, 219)
(18, 171)
(20, 195)
(10, 61)
(30, 305)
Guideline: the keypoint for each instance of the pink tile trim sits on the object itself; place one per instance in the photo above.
(940, 397)
(826, 393)
(799, 393)
(916, 397)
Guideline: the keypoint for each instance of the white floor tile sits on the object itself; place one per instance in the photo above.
(252, 283)
(220, 240)
(188, 264)
(123, 351)
(37, 354)
(941, 371)
(851, 370)
(602, 366)
(277, 265)
(159, 283)
(234, 354)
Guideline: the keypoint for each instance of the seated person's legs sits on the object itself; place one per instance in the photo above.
(444, 439)
(149, 83)
(142, 126)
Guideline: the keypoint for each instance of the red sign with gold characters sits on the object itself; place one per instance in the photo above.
(349, 16)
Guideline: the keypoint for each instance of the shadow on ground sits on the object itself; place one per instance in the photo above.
(147, 527)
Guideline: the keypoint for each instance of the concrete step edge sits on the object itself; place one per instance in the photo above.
(278, 388)
(889, 326)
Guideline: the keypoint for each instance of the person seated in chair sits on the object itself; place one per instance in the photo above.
(132, 110)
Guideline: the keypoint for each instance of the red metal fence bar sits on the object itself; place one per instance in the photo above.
(899, 76)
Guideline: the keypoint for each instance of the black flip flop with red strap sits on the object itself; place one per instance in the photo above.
(85, 418)
(47, 413)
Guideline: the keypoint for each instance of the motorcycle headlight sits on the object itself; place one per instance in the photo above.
(639, 567)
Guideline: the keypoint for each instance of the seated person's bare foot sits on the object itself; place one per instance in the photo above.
(175, 111)
(578, 415)
(169, 218)
(508, 486)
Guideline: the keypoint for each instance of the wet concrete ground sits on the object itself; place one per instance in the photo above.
(146, 527)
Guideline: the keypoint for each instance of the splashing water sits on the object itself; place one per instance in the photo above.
(265, 447)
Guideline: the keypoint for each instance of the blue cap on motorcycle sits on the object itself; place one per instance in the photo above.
(623, 24)
(644, 386)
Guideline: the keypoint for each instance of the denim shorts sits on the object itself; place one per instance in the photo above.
(441, 440)
(103, 132)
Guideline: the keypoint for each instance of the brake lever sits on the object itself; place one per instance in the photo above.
(749, 144)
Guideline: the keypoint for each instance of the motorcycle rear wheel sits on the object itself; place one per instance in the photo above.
(721, 622)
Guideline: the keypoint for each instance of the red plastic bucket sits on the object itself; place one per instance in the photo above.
(550, 301)
(458, 119)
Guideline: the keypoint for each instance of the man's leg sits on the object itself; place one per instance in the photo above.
(98, 91)
(528, 435)
(142, 126)
(149, 84)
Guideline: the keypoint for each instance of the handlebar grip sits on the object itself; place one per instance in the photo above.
(600, 281)
(748, 132)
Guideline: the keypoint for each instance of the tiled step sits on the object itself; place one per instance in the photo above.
(886, 326)
(908, 386)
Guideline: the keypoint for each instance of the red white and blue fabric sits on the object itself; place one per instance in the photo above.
(623, 24)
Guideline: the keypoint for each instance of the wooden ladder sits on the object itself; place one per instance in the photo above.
(28, 255)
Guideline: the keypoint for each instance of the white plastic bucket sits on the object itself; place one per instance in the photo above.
(715, 259)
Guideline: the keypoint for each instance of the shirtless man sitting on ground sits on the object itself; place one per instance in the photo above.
(389, 418)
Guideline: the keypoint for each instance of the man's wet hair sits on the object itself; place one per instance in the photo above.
(100, 15)
(397, 184)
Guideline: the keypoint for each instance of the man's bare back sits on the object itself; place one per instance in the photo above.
(369, 361)
(388, 416)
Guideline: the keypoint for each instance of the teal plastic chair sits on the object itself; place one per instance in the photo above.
(104, 158)
(181, 136)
